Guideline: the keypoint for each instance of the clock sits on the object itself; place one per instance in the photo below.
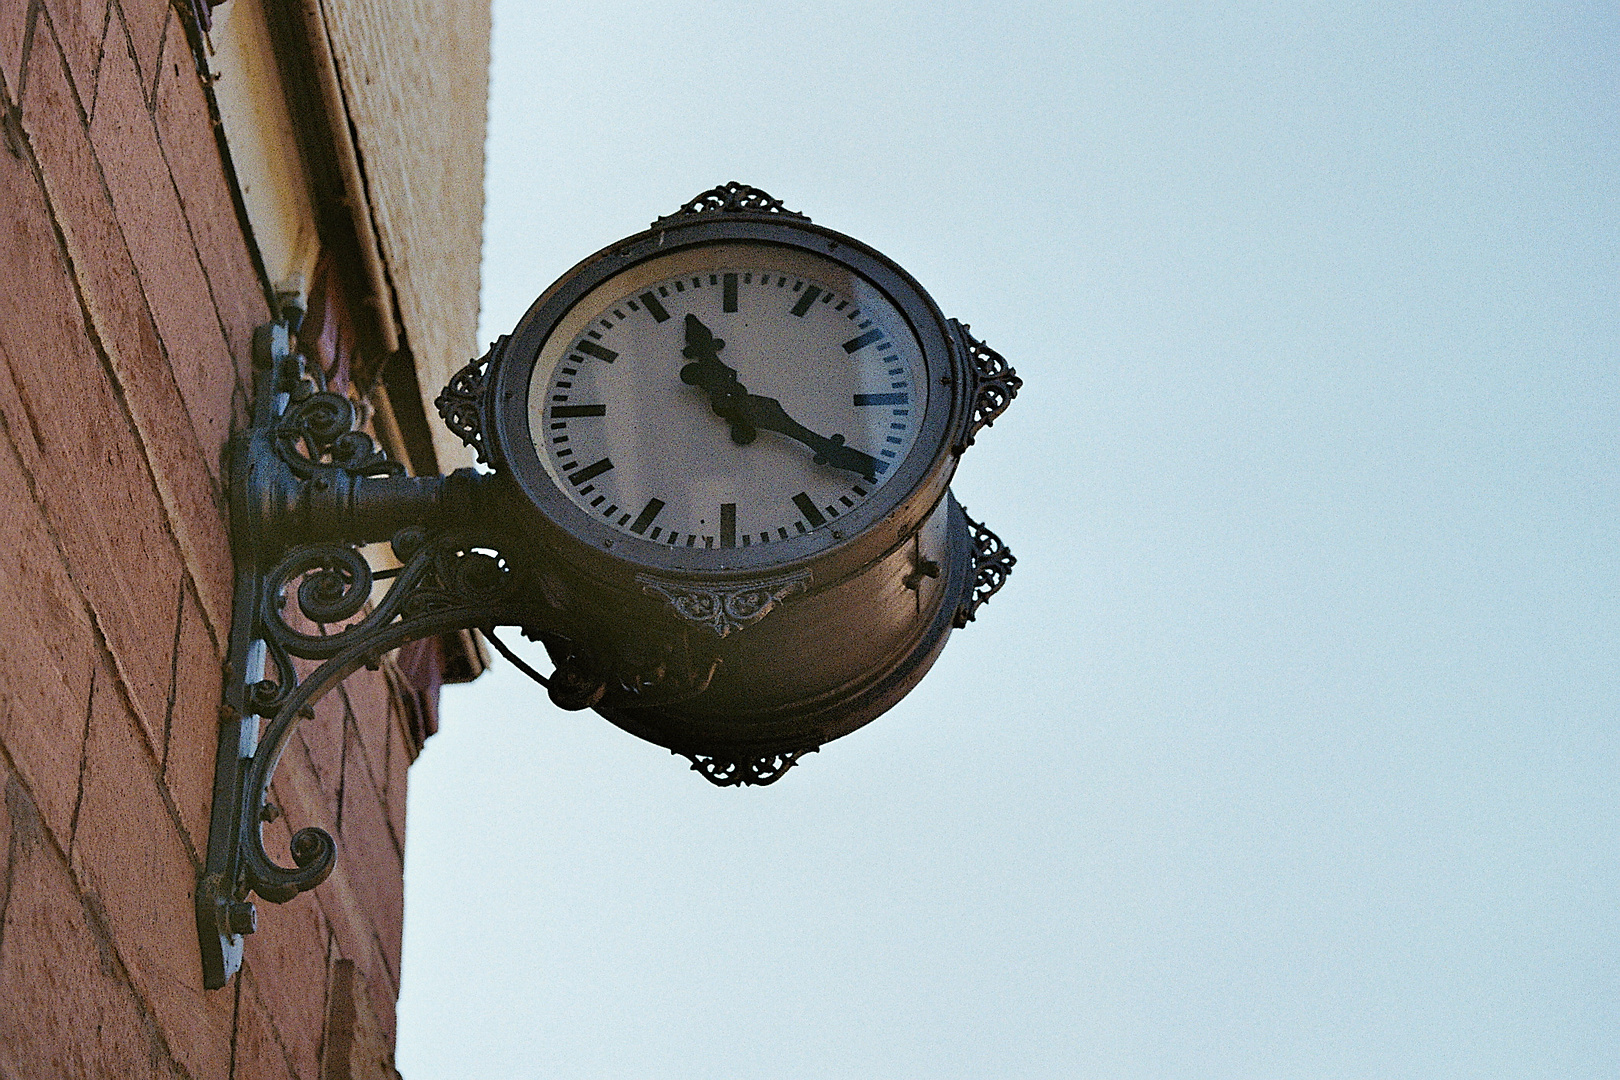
(728, 441)
(728, 396)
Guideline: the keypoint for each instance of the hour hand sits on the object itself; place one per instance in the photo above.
(767, 413)
(706, 371)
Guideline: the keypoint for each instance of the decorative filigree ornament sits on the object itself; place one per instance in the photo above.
(733, 198)
(995, 384)
(725, 608)
(723, 769)
(461, 404)
(992, 562)
(317, 432)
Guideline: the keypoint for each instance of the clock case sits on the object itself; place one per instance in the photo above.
(743, 659)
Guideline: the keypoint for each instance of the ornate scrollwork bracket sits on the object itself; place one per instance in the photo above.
(993, 385)
(992, 562)
(306, 490)
(733, 198)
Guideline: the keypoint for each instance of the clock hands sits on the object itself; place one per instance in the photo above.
(708, 372)
(747, 413)
(767, 413)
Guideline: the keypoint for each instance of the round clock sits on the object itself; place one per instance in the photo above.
(730, 438)
(728, 396)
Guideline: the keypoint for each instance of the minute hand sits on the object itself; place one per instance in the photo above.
(767, 413)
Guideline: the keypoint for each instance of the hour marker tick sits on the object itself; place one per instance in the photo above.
(882, 399)
(645, 518)
(857, 343)
(807, 298)
(560, 411)
(591, 348)
(808, 509)
(590, 472)
(654, 308)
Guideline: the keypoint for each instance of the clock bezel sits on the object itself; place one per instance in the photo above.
(921, 476)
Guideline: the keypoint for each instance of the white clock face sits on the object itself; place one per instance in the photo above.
(727, 396)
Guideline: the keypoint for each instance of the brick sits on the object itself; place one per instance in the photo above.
(321, 749)
(13, 28)
(353, 934)
(46, 642)
(189, 501)
(67, 426)
(80, 26)
(260, 1053)
(83, 516)
(357, 1046)
(289, 962)
(297, 791)
(68, 1010)
(146, 21)
(423, 158)
(186, 134)
(398, 773)
(193, 736)
(370, 702)
(377, 1029)
(147, 208)
(375, 866)
(127, 853)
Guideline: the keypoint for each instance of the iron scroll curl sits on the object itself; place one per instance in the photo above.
(449, 582)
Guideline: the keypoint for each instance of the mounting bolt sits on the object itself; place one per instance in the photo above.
(242, 917)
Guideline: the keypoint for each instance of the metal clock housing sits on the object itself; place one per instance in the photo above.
(725, 443)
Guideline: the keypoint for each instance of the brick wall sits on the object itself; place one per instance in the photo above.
(128, 296)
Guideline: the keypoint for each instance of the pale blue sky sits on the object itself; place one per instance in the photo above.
(1290, 749)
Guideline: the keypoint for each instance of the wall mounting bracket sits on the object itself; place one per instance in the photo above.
(307, 492)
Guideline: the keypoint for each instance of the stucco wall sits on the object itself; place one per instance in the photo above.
(128, 296)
